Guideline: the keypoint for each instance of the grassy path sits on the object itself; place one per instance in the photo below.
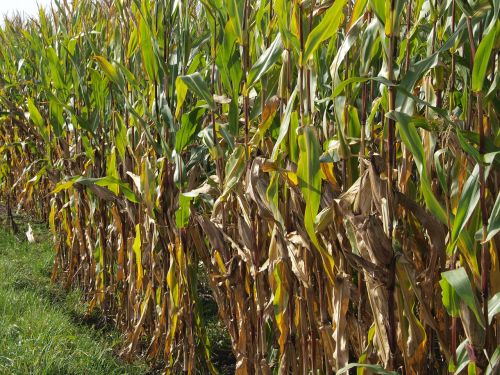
(43, 329)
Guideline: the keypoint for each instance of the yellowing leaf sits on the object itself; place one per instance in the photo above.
(136, 247)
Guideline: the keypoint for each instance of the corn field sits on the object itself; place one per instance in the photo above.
(331, 166)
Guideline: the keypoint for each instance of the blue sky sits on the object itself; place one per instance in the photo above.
(28, 7)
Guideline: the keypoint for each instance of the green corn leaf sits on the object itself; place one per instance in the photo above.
(482, 58)
(183, 212)
(465, 7)
(285, 123)
(235, 167)
(190, 124)
(449, 297)
(462, 359)
(357, 12)
(111, 72)
(147, 52)
(37, 119)
(112, 171)
(107, 181)
(268, 58)
(459, 281)
(493, 307)
(494, 221)
(378, 7)
(121, 137)
(327, 27)
(235, 12)
(308, 173)
(376, 369)
(412, 140)
(467, 204)
(349, 41)
(343, 84)
(309, 176)
(197, 85)
(181, 88)
(494, 362)
(65, 185)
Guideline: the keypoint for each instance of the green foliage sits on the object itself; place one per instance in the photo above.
(291, 149)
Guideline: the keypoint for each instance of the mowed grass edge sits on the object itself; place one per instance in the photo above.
(43, 329)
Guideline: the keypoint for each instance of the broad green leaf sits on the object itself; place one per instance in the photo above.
(235, 12)
(147, 52)
(268, 58)
(467, 204)
(183, 212)
(283, 9)
(343, 84)
(235, 167)
(465, 7)
(89, 150)
(469, 149)
(121, 137)
(56, 116)
(293, 147)
(357, 12)
(459, 281)
(55, 69)
(471, 368)
(493, 307)
(308, 173)
(284, 124)
(102, 181)
(197, 85)
(190, 124)
(376, 369)
(309, 176)
(112, 172)
(449, 297)
(111, 72)
(181, 89)
(272, 195)
(65, 185)
(280, 303)
(462, 358)
(482, 58)
(494, 221)
(327, 27)
(349, 41)
(412, 140)
(37, 119)
(494, 362)
(378, 7)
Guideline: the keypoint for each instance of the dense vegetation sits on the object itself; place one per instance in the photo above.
(332, 166)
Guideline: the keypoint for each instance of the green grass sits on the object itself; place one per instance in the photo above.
(43, 329)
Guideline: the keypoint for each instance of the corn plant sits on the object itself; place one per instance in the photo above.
(331, 165)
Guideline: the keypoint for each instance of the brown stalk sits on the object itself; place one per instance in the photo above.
(390, 186)
(408, 25)
(485, 254)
